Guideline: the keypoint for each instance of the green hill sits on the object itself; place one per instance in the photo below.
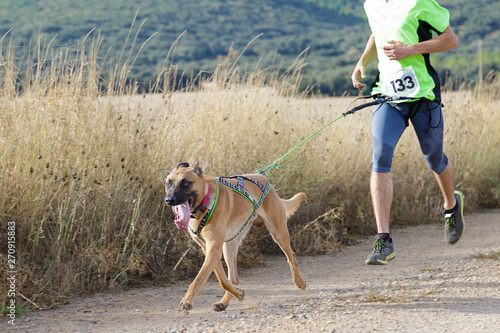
(333, 31)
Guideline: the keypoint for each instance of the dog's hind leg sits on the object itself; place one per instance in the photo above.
(277, 226)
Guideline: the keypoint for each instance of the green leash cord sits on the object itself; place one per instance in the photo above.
(277, 163)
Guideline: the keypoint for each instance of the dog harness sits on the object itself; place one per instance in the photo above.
(238, 187)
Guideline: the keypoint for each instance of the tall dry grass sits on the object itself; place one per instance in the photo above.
(83, 158)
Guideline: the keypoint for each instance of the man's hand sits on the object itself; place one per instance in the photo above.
(395, 50)
(368, 55)
(358, 74)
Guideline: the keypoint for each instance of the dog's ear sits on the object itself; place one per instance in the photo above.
(182, 165)
(197, 169)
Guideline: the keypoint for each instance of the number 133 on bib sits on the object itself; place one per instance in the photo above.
(402, 83)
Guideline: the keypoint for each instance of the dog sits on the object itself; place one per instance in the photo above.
(218, 213)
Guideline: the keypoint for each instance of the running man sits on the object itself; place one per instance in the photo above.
(402, 39)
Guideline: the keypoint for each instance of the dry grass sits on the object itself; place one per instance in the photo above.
(491, 255)
(394, 293)
(83, 158)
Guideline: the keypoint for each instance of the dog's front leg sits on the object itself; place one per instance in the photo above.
(226, 282)
(230, 251)
(212, 257)
(229, 286)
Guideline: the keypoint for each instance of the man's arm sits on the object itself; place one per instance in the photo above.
(396, 50)
(368, 55)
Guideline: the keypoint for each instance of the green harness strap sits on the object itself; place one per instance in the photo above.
(239, 189)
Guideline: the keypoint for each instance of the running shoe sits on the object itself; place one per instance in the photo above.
(454, 227)
(383, 251)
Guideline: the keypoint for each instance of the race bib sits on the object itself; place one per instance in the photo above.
(402, 83)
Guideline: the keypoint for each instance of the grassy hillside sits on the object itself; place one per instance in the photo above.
(333, 31)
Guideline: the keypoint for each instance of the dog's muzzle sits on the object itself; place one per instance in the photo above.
(171, 201)
(175, 200)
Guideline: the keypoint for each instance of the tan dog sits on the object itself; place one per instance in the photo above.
(218, 218)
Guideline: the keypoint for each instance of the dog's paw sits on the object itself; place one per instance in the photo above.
(300, 283)
(185, 306)
(241, 295)
(219, 307)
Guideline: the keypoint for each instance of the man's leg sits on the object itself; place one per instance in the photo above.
(453, 206)
(446, 183)
(387, 127)
(381, 189)
(429, 126)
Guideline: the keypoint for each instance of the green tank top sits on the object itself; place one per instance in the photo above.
(409, 22)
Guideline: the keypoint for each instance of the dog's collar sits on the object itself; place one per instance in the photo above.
(207, 216)
(203, 205)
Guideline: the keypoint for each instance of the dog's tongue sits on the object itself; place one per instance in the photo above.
(182, 214)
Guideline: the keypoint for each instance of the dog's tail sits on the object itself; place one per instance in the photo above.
(291, 205)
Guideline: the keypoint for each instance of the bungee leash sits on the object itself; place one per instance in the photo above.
(378, 99)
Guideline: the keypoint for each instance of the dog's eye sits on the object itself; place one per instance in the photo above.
(185, 183)
(168, 183)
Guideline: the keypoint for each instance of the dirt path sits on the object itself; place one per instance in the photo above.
(429, 287)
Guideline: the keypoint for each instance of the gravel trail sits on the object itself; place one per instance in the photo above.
(429, 287)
